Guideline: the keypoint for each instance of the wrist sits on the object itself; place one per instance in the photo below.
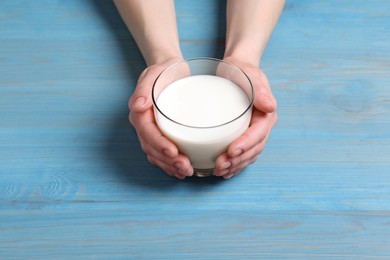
(161, 54)
(243, 52)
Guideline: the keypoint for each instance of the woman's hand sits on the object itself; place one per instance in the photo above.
(246, 149)
(159, 150)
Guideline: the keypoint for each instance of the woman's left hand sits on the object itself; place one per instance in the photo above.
(246, 149)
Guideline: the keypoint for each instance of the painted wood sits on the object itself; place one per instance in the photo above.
(75, 183)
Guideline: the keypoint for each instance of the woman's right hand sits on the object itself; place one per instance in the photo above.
(160, 151)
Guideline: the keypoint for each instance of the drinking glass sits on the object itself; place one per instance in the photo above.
(203, 143)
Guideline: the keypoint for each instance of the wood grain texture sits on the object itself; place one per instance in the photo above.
(197, 234)
(74, 181)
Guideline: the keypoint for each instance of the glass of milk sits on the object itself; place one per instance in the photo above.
(202, 105)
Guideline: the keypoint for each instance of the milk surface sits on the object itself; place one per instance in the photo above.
(208, 114)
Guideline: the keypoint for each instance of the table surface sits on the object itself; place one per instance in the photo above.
(74, 181)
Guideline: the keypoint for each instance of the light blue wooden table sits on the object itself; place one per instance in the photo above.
(74, 183)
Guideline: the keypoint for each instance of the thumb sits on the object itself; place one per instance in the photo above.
(141, 99)
(264, 100)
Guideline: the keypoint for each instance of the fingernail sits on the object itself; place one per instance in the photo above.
(226, 177)
(224, 172)
(237, 153)
(221, 173)
(179, 176)
(179, 165)
(226, 165)
(269, 100)
(139, 102)
(189, 172)
(169, 153)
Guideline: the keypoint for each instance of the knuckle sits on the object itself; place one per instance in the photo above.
(131, 118)
(146, 148)
(276, 104)
(162, 157)
(246, 135)
(262, 136)
(253, 160)
(236, 161)
(276, 118)
(151, 159)
(143, 130)
(258, 149)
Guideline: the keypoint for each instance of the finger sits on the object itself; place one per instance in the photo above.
(145, 125)
(225, 163)
(141, 98)
(235, 162)
(180, 162)
(169, 169)
(236, 170)
(261, 123)
(264, 100)
(222, 163)
(252, 153)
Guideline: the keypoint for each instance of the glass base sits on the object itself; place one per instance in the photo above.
(203, 172)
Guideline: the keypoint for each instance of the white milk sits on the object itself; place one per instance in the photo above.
(206, 103)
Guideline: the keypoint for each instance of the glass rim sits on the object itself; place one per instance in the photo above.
(206, 59)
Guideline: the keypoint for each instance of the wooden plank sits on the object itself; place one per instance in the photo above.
(179, 234)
